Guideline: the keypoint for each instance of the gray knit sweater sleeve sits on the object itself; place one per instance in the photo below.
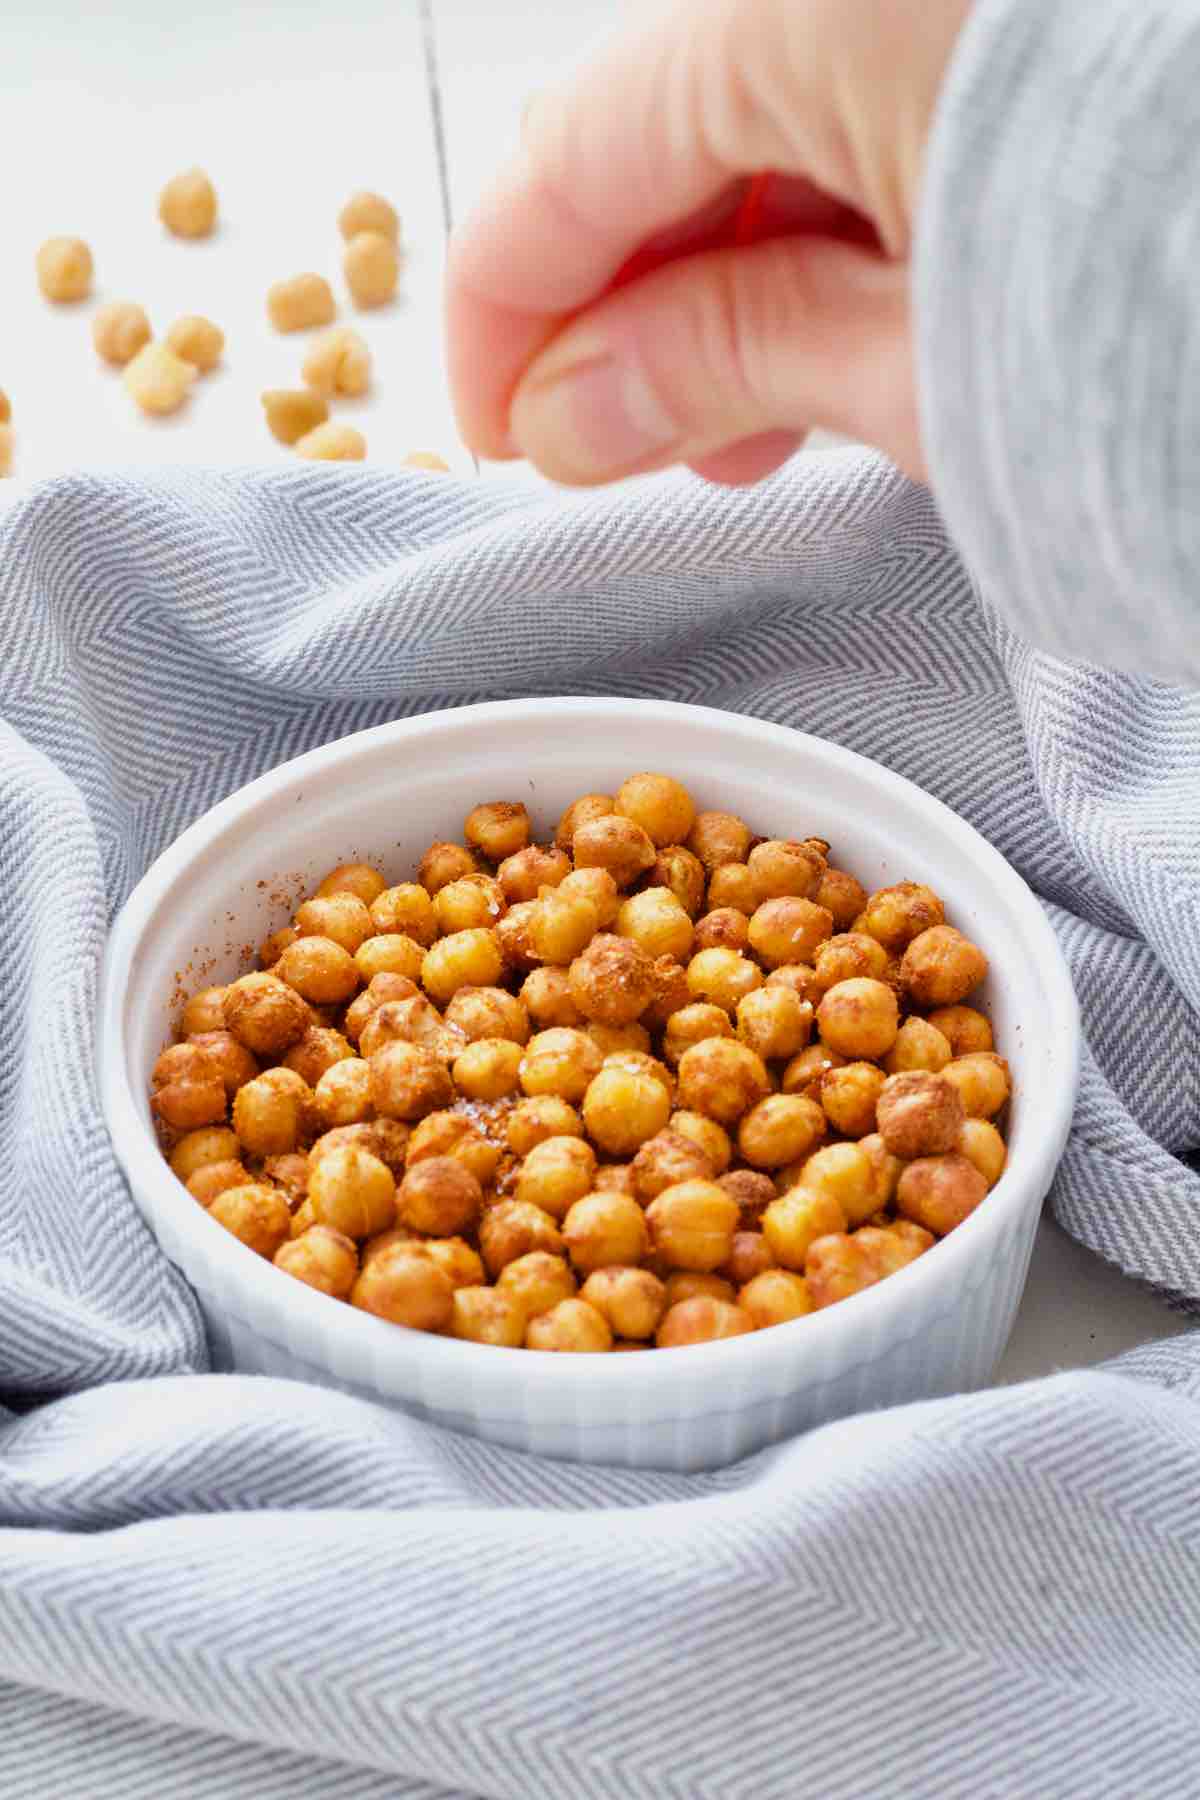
(1058, 318)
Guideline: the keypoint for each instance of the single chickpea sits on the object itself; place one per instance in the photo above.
(203, 1012)
(443, 863)
(488, 1012)
(597, 886)
(799, 977)
(332, 443)
(187, 205)
(524, 874)
(513, 1228)
(983, 1080)
(338, 363)
(198, 341)
(711, 1137)
(318, 1050)
(616, 844)
(722, 1079)
(188, 1087)
(780, 1129)
(498, 829)
(546, 995)
(849, 1096)
(838, 1267)
(561, 926)
(796, 1220)
(920, 1114)
(236, 1064)
(371, 265)
(406, 1287)
(196, 1150)
(919, 1045)
(484, 1315)
(665, 1160)
(841, 895)
(119, 330)
(701, 1320)
(352, 1191)
(605, 1228)
(537, 1118)
(365, 211)
(753, 1191)
(407, 909)
(464, 959)
(472, 903)
(439, 1196)
(455, 1258)
(257, 1214)
(64, 269)
(965, 1030)
(896, 915)
(886, 1169)
(611, 980)
(774, 1022)
(556, 1173)
(538, 1281)
(845, 1175)
(408, 1081)
(939, 1192)
(982, 1145)
(389, 953)
(572, 1325)
(559, 1061)
(631, 1300)
(888, 1251)
(273, 947)
(357, 878)
(722, 977)
(614, 1178)
(724, 929)
(300, 303)
(941, 967)
(488, 1069)
(380, 991)
(669, 992)
(453, 1134)
(581, 812)
(273, 1113)
(732, 888)
(750, 1257)
(805, 1074)
(512, 934)
(692, 1225)
(655, 921)
(788, 930)
(785, 869)
(611, 1040)
(289, 1171)
(661, 805)
(622, 1108)
(291, 413)
(342, 1095)
(158, 380)
(319, 970)
(686, 1284)
(717, 838)
(385, 1138)
(682, 874)
(322, 1259)
(847, 958)
(215, 1178)
(859, 1018)
(775, 1297)
(342, 918)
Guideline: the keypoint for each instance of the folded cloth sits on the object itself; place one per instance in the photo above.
(226, 1586)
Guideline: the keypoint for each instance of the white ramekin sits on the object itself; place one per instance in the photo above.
(937, 1327)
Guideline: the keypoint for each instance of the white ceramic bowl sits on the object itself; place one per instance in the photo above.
(935, 1328)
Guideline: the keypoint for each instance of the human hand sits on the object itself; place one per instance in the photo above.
(725, 359)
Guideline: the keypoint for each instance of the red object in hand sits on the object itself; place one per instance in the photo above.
(742, 229)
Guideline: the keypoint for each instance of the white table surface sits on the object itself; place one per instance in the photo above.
(290, 105)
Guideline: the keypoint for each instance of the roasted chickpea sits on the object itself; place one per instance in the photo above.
(497, 828)
(918, 1045)
(717, 838)
(806, 1073)
(780, 1129)
(464, 959)
(512, 934)
(788, 930)
(624, 1107)
(843, 896)
(411, 1021)
(342, 1095)
(488, 1012)
(941, 967)
(612, 1040)
(783, 868)
(341, 917)
(605, 1228)
(546, 995)
(631, 1300)
(598, 886)
(983, 1082)
(701, 1320)
(846, 958)
(722, 977)
(692, 1225)
(896, 915)
(965, 1030)
(322, 1259)
(405, 1286)
(849, 1096)
(513, 1228)
(214, 1178)
(472, 903)
(847, 1175)
(264, 1014)
(750, 1256)
(775, 1297)
(859, 1018)
(456, 1259)
(188, 1087)
(682, 874)
(724, 929)
(484, 1315)
(798, 1219)
(257, 1214)
(209, 1144)
(352, 1191)
(408, 1081)
(572, 1325)
(939, 1192)
(523, 875)
(439, 1196)
(888, 1250)
(665, 1160)
(453, 1134)
(204, 1012)
(982, 1145)
(357, 878)
(686, 1284)
(381, 990)
(235, 1062)
(611, 982)
(488, 1069)
(920, 1114)
(655, 921)
(561, 925)
(443, 863)
(539, 1117)
(318, 1050)
(753, 1191)
(837, 1267)
(722, 1079)
(774, 1022)
(799, 977)
(556, 1173)
(732, 888)
(319, 970)
(669, 992)
(273, 947)
(614, 1178)
(616, 844)
(581, 812)
(694, 1024)
(273, 1113)
(407, 909)
(559, 1061)
(659, 804)
(390, 953)
(538, 1281)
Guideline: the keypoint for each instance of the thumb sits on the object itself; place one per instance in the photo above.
(723, 348)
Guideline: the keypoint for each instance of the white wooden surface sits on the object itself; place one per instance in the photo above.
(291, 105)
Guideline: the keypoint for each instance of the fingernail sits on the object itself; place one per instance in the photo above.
(597, 416)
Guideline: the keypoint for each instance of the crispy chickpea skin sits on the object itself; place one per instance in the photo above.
(682, 874)
(342, 1095)
(788, 930)
(289, 1171)
(896, 915)
(538, 1281)
(837, 1267)
(342, 917)
(859, 1019)
(631, 1300)
(497, 828)
(719, 837)
(513, 1228)
(472, 903)
(556, 1173)
(384, 1138)
(661, 805)
(439, 1196)
(412, 1021)
(941, 967)
(669, 992)
(964, 1029)
(582, 812)
(799, 977)
(64, 269)
(119, 330)
(319, 970)
(611, 981)
(352, 1191)
(560, 1061)
(512, 934)
(983, 1082)
(655, 921)
(605, 1227)
(753, 1191)
(453, 1134)
(213, 1179)
(797, 1220)
(616, 844)
(722, 1079)
(236, 1063)
(322, 1259)
(701, 1320)
(845, 958)
(408, 909)
(484, 1315)
(775, 1297)
(783, 868)
(488, 1012)
(257, 1214)
(723, 929)
(407, 1288)
(750, 1256)
(920, 1114)
(982, 1145)
(408, 1081)
(572, 1325)
(774, 1022)
(614, 1178)
(780, 1129)
(203, 1012)
(732, 887)
(538, 1117)
(842, 895)
(524, 874)
(939, 1192)
(488, 1069)
(273, 1113)
(849, 1097)
(665, 1160)
(622, 1108)
(188, 1087)
(464, 959)
(546, 996)
(318, 1050)
(692, 1225)
(208, 1144)
(721, 977)
(694, 1024)
(381, 990)
(807, 1071)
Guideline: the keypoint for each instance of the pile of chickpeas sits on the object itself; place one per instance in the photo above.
(657, 1082)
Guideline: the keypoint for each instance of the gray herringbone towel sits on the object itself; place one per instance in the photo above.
(218, 1586)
